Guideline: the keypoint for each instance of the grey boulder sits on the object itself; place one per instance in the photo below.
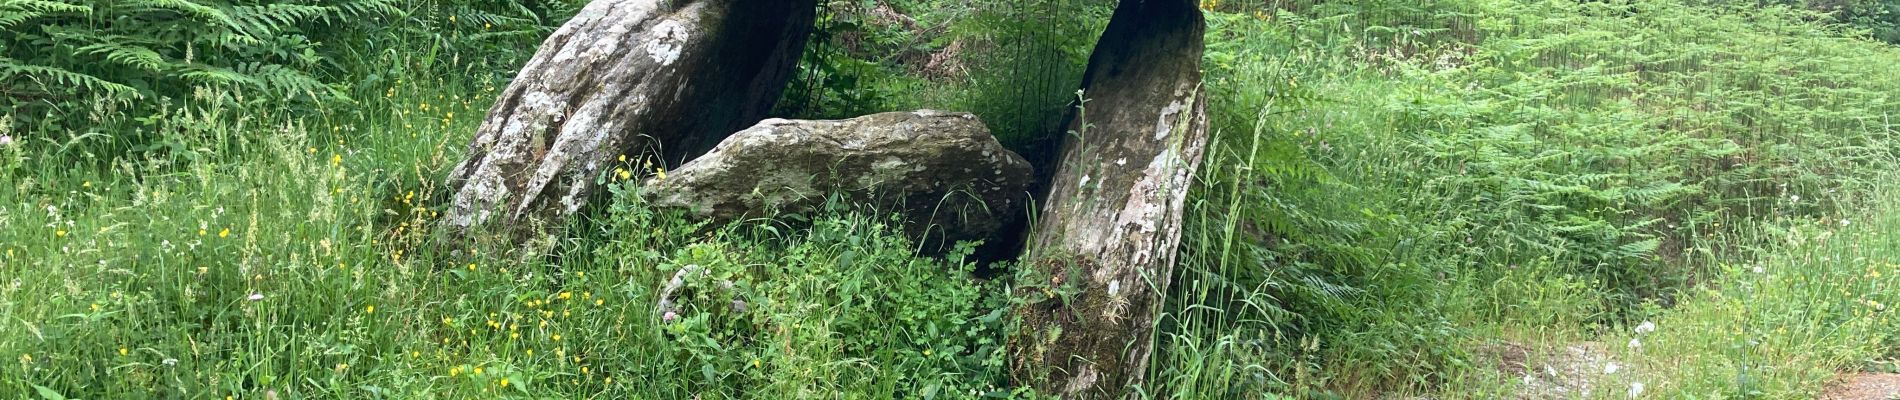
(941, 172)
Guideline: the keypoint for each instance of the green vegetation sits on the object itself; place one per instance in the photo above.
(1786, 323)
(210, 199)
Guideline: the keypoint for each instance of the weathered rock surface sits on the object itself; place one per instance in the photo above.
(1112, 219)
(666, 78)
(942, 171)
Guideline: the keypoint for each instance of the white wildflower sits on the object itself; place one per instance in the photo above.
(1636, 343)
(1794, 198)
(1611, 368)
(6, 140)
(1636, 389)
(256, 296)
(1846, 222)
(1645, 327)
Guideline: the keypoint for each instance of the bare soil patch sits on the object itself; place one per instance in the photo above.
(1864, 386)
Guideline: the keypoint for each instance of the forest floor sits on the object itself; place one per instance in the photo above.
(1864, 386)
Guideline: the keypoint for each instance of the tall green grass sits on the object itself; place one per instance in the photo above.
(1394, 190)
(294, 255)
(1817, 302)
(1397, 187)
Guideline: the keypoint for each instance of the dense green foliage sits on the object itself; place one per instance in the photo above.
(236, 198)
(100, 73)
(1015, 64)
(1879, 18)
(1391, 176)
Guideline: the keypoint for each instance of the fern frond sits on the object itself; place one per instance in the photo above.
(366, 8)
(16, 11)
(53, 77)
(185, 7)
(288, 81)
(235, 38)
(126, 54)
(206, 74)
(266, 20)
(1640, 248)
(45, 6)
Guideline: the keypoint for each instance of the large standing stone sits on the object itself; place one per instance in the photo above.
(668, 78)
(943, 172)
(1111, 223)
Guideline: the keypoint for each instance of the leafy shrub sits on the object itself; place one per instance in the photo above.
(841, 306)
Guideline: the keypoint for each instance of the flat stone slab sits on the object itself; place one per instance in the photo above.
(942, 172)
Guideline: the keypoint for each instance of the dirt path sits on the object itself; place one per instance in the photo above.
(1864, 387)
(1578, 369)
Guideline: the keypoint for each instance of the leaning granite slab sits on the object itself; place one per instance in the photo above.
(941, 172)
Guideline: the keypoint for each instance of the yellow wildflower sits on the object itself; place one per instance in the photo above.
(59, 233)
(124, 351)
(369, 310)
(95, 307)
(557, 337)
(504, 382)
(455, 371)
(225, 233)
(598, 302)
(478, 370)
